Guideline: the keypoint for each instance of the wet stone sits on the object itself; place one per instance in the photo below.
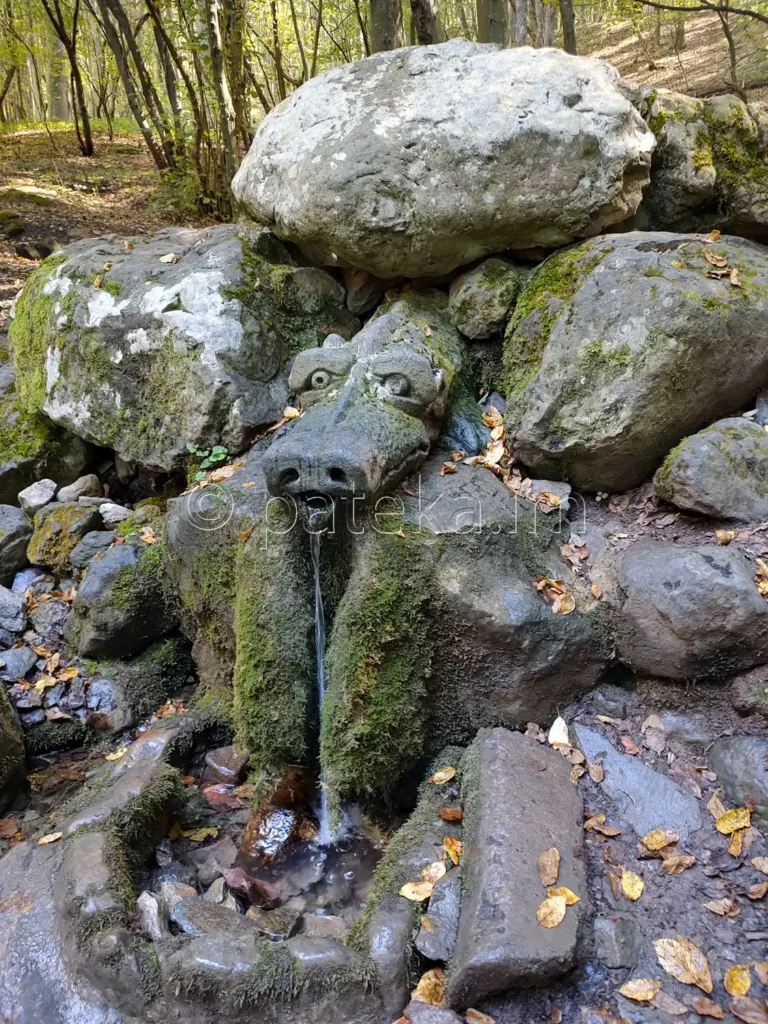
(268, 835)
(152, 917)
(437, 936)
(390, 934)
(196, 917)
(16, 663)
(741, 764)
(216, 892)
(92, 544)
(325, 926)
(423, 1013)
(319, 955)
(211, 861)
(175, 892)
(225, 764)
(49, 619)
(173, 872)
(617, 940)
(275, 924)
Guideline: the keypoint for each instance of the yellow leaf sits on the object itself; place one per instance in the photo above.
(174, 832)
(632, 885)
(684, 961)
(197, 835)
(492, 417)
(475, 1017)
(564, 604)
(569, 897)
(116, 754)
(734, 276)
(431, 988)
(551, 912)
(732, 820)
(737, 980)
(444, 775)
(44, 683)
(454, 848)
(642, 990)
(433, 872)
(760, 864)
(65, 674)
(596, 591)
(713, 235)
(548, 866)
(659, 838)
(417, 892)
(291, 413)
(724, 537)
(52, 837)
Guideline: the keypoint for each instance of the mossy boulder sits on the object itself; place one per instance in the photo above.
(15, 534)
(623, 345)
(481, 300)
(123, 604)
(11, 224)
(11, 747)
(58, 531)
(182, 338)
(722, 471)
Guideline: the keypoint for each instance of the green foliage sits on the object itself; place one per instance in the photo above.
(203, 459)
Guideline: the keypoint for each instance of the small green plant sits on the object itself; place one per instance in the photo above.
(208, 458)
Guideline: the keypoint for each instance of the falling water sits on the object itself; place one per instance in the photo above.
(326, 836)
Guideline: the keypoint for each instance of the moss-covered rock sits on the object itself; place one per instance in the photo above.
(148, 356)
(481, 300)
(11, 224)
(11, 747)
(58, 530)
(622, 345)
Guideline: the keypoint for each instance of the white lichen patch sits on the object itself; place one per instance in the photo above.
(102, 305)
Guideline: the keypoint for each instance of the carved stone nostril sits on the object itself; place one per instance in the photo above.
(289, 476)
(338, 476)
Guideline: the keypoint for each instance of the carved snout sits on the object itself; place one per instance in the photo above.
(292, 467)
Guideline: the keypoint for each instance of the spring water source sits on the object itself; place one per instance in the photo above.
(326, 835)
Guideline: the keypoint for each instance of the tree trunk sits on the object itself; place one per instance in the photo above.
(387, 31)
(425, 23)
(68, 38)
(227, 118)
(547, 24)
(679, 38)
(9, 75)
(521, 22)
(493, 21)
(568, 18)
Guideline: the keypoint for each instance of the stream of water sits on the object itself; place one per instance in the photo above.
(326, 836)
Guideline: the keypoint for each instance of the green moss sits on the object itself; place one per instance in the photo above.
(375, 706)
(653, 270)
(56, 537)
(151, 678)
(11, 224)
(604, 365)
(48, 736)
(276, 978)
(135, 584)
(738, 154)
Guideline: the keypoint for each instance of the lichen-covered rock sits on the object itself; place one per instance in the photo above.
(11, 745)
(481, 301)
(15, 534)
(690, 612)
(621, 346)
(722, 471)
(709, 169)
(741, 763)
(58, 530)
(153, 354)
(417, 161)
(123, 604)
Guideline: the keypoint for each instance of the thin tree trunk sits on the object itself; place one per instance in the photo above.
(521, 22)
(227, 119)
(425, 24)
(493, 21)
(547, 24)
(68, 40)
(387, 31)
(568, 18)
(9, 76)
(277, 53)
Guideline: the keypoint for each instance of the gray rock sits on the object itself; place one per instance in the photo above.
(91, 545)
(31, 718)
(617, 940)
(11, 746)
(25, 698)
(49, 619)
(13, 615)
(741, 765)
(225, 764)
(424, 1013)
(408, 163)
(606, 367)
(58, 530)
(83, 883)
(173, 872)
(37, 496)
(112, 514)
(748, 692)
(364, 291)
(194, 351)
(525, 803)
(326, 926)
(644, 798)
(212, 860)
(152, 917)
(194, 916)
(174, 892)
(690, 612)
(722, 471)
(88, 502)
(276, 924)
(437, 935)
(390, 935)
(319, 956)
(30, 579)
(88, 486)
(16, 663)
(692, 730)
(15, 533)
(215, 892)
(481, 301)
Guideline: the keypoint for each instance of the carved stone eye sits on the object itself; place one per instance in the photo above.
(397, 384)
(320, 379)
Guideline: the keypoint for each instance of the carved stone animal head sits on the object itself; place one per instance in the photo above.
(372, 408)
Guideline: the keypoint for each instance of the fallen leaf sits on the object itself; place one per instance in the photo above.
(148, 535)
(641, 990)
(684, 961)
(651, 722)
(724, 907)
(570, 897)
(116, 754)
(713, 235)
(596, 772)
(607, 720)
(417, 892)
(595, 819)
(724, 537)
(668, 1004)
(454, 848)
(17, 903)
(433, 872)
(714, 259)
(65, 674)
(715, 805)
(576, 773)
(734, 277)
(735, 842)
(737, 980)
(564, 604)
(751, 1011)
(632, 885)
(56, 715)
(556, 1017)
(448, 467)
(558, 733)
(706, 1008)
(606, 830)
(659, 838)
(758, 891)
(431, 988)
(169, 257)
(761, 970)
(10, 826)
(45, 682)
(451, 813)
(677, 863)
(732, 820)
(441, 777)
(551, 912)
(760, 864)
(629, 745)
(475, 1017)
(52, 837)
(197, 835)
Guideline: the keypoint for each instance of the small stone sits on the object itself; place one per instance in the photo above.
(741, 765)
(15, 534)
(49, 619)
(58, 530)
(617, 940)
(86, 502)
(225, 764)
(748, 692)
(37, 496)
(104, 695)
(268, 835)
(112, 514)
(92, 544)
(16, 663)
(163, 853)
(318, 956)
(482, 300)
(275, 924)
(175, 892)
(215, 892)
(390, 936)
(221, 797)
(692, 730)
(26, 579)
(176, 872)
(326, 926)
(437, 936)
(211, 861)
(13, 615)
(32, 718)
(25, 698)
(88, 486)
(196, 917)
(423, 1013)
(153, 917)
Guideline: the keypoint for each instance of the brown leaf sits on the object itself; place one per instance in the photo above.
(684, 961)
(761, 970)
(548, 867)
(564, 604)
(570, 897)
(475, 1017)
(596, 772)
(668, 1004)
(706, 1008)
(596, 591)
(52, 837)
(751, 1011)
(641, 990)
(551, 912)
(454, 848)
(65, 674)
(715, 805)
(451, 813)
(734, 277)
(431, 988)
(737, 980)
(735, 842)
(10, 826)
(714, 259)
(632, 885)
(556, 1017)
(448, 468)
(441, 777)
(659, 838)
(733, 820)
(676, 863)
(724, 907)
(724, 537)
(757, 891)
(629, 745)
(576, 773)
(760, 864)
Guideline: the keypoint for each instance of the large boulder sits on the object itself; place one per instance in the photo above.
(709, 169)
(417, 161)
(623, 345)
(722, 471)
(690, 612)
(179, 339)
(58, 530)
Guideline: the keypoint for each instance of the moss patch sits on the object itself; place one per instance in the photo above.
(56, 537)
